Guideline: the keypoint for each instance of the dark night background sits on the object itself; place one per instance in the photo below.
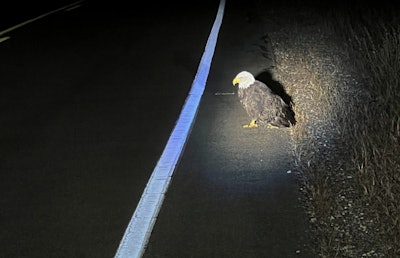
(15, 12)
(88, 137)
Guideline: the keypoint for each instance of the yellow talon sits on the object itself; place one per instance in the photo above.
(251, 125)
(272, 126)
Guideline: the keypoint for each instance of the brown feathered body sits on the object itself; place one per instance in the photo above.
(265, 107)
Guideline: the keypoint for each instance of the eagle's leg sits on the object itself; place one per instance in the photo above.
(252, 124)
(272, 126)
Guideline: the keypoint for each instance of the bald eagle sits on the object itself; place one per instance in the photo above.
(261, 104)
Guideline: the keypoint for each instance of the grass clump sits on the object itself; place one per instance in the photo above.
(375, 133)
(341, 66)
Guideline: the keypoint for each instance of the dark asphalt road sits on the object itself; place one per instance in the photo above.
(88, 99)
(232, 195)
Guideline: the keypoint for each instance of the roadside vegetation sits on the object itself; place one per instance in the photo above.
(342, 68)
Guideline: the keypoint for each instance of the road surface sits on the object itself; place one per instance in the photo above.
(88, 100)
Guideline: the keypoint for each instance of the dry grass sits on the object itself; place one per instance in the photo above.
(376, 133)
(343, 75)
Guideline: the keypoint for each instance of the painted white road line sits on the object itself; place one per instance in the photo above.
(39, 17)
(72, 7)
(3, 39)
(139, 229)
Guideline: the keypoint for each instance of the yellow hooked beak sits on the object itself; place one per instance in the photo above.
(235, 81)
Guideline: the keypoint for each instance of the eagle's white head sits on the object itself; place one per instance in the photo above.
(244, 79)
